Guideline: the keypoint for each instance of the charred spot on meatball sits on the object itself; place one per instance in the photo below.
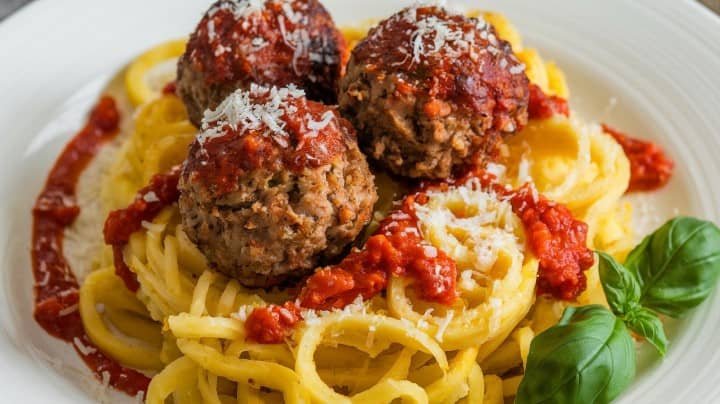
(273, 185)
(272, 43)
(430, 91)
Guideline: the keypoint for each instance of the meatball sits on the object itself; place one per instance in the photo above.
(429, 91)
(272, 43)
(273, 185)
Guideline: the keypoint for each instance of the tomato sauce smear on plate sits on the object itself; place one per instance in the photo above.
(56, 287)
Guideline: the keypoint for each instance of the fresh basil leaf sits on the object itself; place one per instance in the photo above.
(588, 357)
(647, 324)
(623, 294)
(621, 288)
(677, 266)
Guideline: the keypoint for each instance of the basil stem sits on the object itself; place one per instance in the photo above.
(623, 294)
(647, 324)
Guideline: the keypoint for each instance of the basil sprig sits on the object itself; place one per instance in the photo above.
(623, 293)
(671, 271)
(588, 357)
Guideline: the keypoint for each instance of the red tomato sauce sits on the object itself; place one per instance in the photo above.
(557, 239)
(170, 88)
(56, 288)
(468, 76)
(121, 224)
(543, 106)
(396, 248)
(272, 324)
(216, 164)
(255, 49)
(650, 167)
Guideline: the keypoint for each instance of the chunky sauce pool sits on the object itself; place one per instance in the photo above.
(56, 288)
(650, 167)
(543, 106)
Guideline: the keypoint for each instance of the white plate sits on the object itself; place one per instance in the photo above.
(660, 60)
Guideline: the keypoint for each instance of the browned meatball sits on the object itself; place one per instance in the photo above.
(273, 42)
(274, 184)
(429, 91)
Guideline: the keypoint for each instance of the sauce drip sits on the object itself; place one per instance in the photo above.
(650, 167)
(543, 106)
(56, 288)
(170, 88)
(122, 223)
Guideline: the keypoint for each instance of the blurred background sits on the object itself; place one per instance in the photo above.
(7, 7)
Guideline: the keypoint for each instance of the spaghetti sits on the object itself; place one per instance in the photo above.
(186, 324)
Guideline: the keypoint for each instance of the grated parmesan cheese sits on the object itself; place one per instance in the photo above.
(84, 349)
(153, 227)
(240, 8)
(370, 340)
(259, 43)
(442, 327)
(524, 170)
(486, 222)
(324, 121)
(517, 69)
(151, 197)
(441, 36)
(68, 310)
(466, 281)
(242, 111)
(242, 313)
(423, 321)
(498, 170)
(430, 251)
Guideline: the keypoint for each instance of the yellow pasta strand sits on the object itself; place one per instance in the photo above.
(386, 328)
(134, 353)
(253, 372)
(493, 390)
(182, 372)
(140, 82)
(476, 383)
